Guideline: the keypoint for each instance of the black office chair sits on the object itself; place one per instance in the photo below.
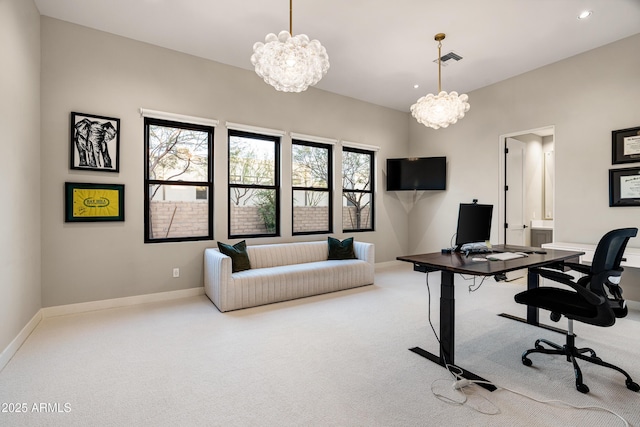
(596, 299)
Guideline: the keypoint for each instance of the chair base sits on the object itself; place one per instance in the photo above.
(572, 353)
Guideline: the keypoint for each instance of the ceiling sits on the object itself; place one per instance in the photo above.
(378, 49)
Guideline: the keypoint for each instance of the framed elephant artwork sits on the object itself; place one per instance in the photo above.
(95, 143)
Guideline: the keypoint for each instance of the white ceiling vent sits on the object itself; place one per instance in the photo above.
(448, 58)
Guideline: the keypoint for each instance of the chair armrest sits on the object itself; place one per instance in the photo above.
(565, 266)
(567, 279)
(580, 268)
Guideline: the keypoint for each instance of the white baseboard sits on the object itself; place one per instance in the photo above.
(13, 347)
(62, 310)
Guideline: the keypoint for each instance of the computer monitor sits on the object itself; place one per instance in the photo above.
(474, 224)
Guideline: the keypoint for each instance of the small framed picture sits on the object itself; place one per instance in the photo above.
(624, 187)
(625, 146)
(93, 202)
(95, 143)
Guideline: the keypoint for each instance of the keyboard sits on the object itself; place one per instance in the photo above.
(503, 256)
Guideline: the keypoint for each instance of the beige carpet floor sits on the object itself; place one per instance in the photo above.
(340, 359)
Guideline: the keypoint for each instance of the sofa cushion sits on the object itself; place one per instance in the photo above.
(273, 255)
(260, 286)
(341, 249)
(238, 255)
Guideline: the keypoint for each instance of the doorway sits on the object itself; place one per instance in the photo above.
(514, 163)
(526, 185)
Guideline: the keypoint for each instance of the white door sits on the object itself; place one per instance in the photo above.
(514, 227)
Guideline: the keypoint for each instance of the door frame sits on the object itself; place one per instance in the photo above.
(501, 174)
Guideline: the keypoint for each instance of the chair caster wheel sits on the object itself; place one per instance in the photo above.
(633, 386)
(582, 388)
(527, 362)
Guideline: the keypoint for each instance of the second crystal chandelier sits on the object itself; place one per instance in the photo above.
(444, 109)
(290, 63)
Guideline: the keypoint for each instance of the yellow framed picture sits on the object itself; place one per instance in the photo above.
(93, 202)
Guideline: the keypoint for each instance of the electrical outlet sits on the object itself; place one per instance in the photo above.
(176, 272)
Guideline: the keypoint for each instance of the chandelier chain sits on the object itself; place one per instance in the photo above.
(291, 17)
(439, 66)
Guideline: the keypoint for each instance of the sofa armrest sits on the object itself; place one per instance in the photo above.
(365, 251)
(217, 277)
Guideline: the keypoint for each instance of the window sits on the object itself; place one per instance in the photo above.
(357, 189)
(178, 181)
(254, 185)
(311, 186)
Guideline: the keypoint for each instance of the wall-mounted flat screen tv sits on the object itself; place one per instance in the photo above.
(424, 173)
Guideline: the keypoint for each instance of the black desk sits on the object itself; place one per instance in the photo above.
(450, 264)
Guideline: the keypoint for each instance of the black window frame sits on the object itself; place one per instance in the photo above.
(148, 121)
(328, 190)
(371, 190)
(276, 146)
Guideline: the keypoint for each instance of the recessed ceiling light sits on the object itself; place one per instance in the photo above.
(585, 14)
(416, 86)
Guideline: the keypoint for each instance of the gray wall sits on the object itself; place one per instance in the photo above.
(585, 97)
(88, 71)
(19, 166)
(84, 70)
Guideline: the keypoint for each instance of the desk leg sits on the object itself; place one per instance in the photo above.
(447, 331)
(447, 323)
(447, 318)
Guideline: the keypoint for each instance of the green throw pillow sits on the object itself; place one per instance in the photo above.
(238, 254)
(341, 250)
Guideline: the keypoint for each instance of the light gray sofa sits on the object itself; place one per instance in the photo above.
(284, 271)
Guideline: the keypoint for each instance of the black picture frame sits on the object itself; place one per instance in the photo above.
(625, 146)
(86, 202)
(624, 187)
(95, 143)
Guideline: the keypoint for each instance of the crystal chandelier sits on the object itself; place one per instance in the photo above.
(444, 109)
(290, 64)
